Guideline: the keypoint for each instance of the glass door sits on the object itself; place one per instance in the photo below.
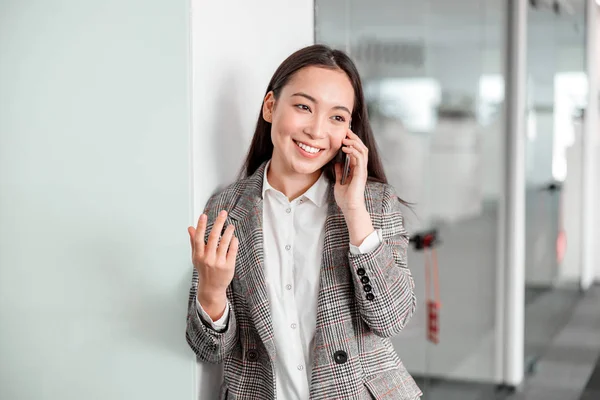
(556, 97)
(433, 75)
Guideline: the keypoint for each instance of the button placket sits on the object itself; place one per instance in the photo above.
(290, 299)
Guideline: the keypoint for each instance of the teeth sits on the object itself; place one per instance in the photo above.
(308, 149)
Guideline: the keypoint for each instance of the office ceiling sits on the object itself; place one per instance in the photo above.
(447, 23)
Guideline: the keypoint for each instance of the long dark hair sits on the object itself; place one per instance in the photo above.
(261, 148)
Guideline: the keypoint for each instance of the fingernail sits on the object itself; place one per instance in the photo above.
(223, 213)
(203, 217)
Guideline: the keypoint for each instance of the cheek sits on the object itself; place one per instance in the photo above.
(278, 130)
(336, 139)
(286, 124)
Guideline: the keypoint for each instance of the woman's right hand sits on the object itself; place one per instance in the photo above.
(215, 263)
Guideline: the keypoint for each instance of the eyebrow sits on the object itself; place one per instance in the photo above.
(309, 97)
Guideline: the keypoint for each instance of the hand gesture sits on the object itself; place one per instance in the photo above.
(214, 261)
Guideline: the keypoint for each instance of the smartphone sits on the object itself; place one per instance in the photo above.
(346, 169)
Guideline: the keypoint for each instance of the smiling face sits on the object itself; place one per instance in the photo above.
(309, 119)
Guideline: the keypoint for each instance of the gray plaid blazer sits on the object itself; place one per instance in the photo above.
(353, 355)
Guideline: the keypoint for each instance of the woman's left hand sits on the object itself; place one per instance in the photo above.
(350, 197)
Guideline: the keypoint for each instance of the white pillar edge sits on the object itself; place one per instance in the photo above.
(514, 199)
(589, 189)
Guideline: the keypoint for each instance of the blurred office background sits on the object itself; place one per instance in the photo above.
(435, 74)
(119, 119)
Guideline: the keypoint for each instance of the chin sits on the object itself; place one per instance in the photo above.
(308, 168)
(303, 168)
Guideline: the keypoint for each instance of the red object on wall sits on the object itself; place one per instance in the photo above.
(433, 321)
(433, 302)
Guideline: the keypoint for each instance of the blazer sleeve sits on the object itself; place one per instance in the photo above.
(384, 287)
(210, 345)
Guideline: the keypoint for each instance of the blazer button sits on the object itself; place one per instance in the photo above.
(340, 356)
(367, 288)
(252, 355)
(365, 279)
(370, 296)
(361, 271)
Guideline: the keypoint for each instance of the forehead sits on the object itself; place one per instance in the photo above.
(332, 87)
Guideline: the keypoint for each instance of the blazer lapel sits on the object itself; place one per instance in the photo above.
(334, 278)
(336, 288)
(247, 216)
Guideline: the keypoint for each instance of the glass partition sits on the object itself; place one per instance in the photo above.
(433, 74)
(557, 88)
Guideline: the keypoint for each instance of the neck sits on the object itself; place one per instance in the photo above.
(291, 184)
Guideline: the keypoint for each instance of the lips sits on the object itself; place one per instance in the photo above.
(308, 148)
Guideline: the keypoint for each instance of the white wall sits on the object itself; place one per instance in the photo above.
(237, 45)
(597, 177)
(94, 200)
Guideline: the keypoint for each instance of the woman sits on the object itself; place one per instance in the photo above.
(300, 281)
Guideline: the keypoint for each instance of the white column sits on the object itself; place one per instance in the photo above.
(236, 47)
(590, 175)
(596, 51)
(513, 207)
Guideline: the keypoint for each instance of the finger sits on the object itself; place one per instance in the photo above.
(224, 243)
(192, 233)
(349, 141)
(199, 234)
(350, 151)
(215, 233)
(233, 250)
(353, 152)
(356, 143)
(338, 173)
(356, 160)
(353, 135)
(360, 160)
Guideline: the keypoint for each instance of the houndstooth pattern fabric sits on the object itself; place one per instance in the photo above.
(364, 300)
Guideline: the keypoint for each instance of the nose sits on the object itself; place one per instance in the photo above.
(316, 128)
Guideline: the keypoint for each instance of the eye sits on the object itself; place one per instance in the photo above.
(339, 118)
(303, 107)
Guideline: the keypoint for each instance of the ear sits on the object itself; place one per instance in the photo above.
(268, 107)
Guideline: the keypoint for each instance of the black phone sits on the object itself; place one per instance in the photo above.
(346, 169)
(346, 158)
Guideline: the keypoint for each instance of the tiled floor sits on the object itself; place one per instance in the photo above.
(569, 369)
(566, 370)
(592, 389)
(546, 313)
